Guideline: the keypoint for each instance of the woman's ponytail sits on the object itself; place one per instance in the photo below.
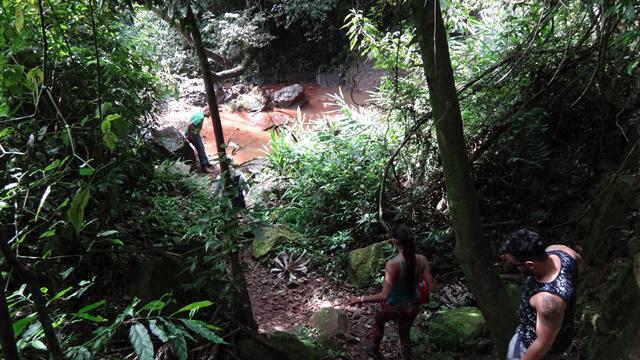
(402, 233)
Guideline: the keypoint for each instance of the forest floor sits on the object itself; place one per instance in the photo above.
(277, 307)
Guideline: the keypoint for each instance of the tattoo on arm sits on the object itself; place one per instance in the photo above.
(551, 311)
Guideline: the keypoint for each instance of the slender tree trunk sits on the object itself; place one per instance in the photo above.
(41, 305)
(242, 302)
(7, 338)
(472, 251)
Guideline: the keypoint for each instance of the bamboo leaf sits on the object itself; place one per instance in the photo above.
(75, 214)
(200, 329)
(42, 200)
(194, 306)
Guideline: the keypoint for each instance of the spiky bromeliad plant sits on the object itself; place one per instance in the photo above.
(287, 266)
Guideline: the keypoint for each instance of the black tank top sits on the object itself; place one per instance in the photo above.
(563, 286)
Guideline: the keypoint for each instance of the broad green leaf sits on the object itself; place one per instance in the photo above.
(155, 305)
(19, 19)
(42, 200)
(36, 74)
(20, 325)
(86, 171)
(139, 337)
(180, 346)
(75, 214)
(47, 234)
(60, 294)
(39, 345)
(194, 306)
(87, 316)
(110, 140)
(90, 307)
(156, 329)
(200, 329)
(117, 242)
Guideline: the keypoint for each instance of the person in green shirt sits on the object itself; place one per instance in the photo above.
(193, 136)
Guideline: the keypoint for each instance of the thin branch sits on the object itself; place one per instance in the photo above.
(97, 55)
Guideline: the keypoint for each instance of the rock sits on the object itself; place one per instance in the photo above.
(365, 264)
(363, 77)
(330, 322)
(295, 348)
(457, 329)
(288, 95)
(173, 142)
(270, 238)
(248, 102)
(328, 79)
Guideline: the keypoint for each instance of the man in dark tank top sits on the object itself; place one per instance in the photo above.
(546, 327)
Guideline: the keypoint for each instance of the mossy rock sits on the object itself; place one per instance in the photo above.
(365, 264)
(457, 329)
(296, 348)
(271, 238)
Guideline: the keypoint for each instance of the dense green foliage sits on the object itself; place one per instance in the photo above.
(549, 96)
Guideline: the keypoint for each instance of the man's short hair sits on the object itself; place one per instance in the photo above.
(524, 245)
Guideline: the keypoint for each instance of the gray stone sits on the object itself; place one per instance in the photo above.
(457, 329)
(328, 79)
(365, 264)
(330, 322)
(288, 96)
(173, 142)
(249, 102)
(363, 77)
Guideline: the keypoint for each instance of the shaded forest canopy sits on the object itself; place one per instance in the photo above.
(112, 249)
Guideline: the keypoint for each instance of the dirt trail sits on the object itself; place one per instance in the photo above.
(279, 308)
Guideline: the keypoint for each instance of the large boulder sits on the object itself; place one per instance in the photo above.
(457, 329)
(249, 103)
(363, 77)
(283, 346)
(173, 143)
(365, 264)
(271, 238)
(330, 322)
(288, 96)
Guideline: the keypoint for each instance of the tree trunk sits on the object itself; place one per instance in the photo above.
(242, 302)
(472, 251)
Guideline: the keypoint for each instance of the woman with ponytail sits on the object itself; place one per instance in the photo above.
(399, 298)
